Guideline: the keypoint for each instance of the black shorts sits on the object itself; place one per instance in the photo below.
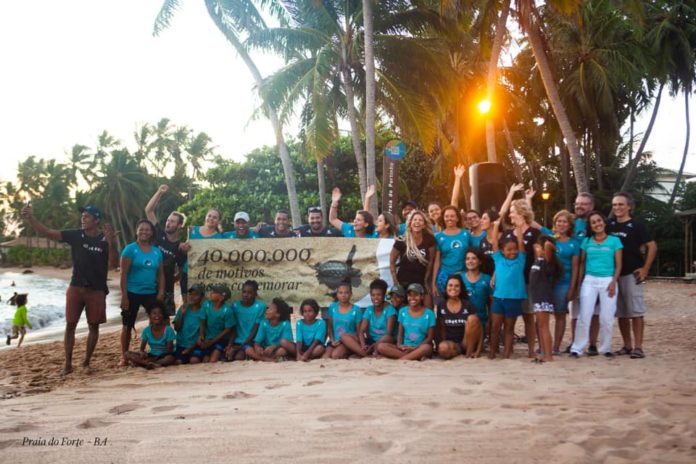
(135, 301)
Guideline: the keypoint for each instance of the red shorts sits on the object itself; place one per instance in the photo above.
(92, 301)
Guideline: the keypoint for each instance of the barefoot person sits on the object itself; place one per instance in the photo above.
(634, 270)
(93, 254)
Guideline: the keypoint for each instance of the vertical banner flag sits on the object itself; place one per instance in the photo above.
(393, 153)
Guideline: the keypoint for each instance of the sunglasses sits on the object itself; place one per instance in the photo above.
(314, 209)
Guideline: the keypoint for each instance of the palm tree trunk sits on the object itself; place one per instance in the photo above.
(511, 147)
(368, 23)
(565, 178)
(686, 149)
(355, 130)
(321, 180)
(500, 31)
(534, 35)
(282, 148)
(633, 165)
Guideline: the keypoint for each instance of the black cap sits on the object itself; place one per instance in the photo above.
(418, 288)
(198, 288)
(92, 210)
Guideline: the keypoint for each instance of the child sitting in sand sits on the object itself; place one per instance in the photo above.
(187, 324)
(248, 313)
(416, 329)
(343, 323)
(20, 320)
(160, 337)
(217, 323)
(310, 332)
(273, 340)
(379, 319)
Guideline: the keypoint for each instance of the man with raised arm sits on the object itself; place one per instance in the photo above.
(93, 253)
(168, 239)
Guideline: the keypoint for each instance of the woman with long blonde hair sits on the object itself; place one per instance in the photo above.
(411, 259)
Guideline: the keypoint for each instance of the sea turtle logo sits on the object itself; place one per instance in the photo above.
(332, 273)
(456, 245)
(148, 263)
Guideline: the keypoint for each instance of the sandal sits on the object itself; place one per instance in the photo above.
(623, 351)
(637, 354)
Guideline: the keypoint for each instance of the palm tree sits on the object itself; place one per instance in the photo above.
(121, 187)
(528, 18)
(370, 109)
(233, 18)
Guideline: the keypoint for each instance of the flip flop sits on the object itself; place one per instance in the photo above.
(637, 354)
(623, 351)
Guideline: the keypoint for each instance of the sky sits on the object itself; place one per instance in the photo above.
(69, 70)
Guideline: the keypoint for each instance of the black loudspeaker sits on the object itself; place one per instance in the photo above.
(488, 189)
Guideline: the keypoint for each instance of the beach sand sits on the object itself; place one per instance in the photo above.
(375, 410)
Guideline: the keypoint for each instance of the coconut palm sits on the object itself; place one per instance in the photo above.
(235, 18)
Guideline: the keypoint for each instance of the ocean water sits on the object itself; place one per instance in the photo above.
(45, 305)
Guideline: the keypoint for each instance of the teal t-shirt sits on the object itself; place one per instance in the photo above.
(476, 240)
(479, 294)
(217, 320)
(348, 230)
(233, 235)
(509, 276)
(416, 329)
(377, 326)
(195, 234)
(344, 323)
(565, 252)
(453, 250)
(158, 346)
(142, 274)
(307, 333)
(269, 335)
(580, 228)
(599, 257)
(247, 317)
(190, 327)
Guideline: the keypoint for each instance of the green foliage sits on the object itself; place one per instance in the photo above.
(23, 255)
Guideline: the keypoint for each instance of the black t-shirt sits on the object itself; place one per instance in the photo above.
(306, 231)
(173, 257)
(411, 270)
(90, 257)
(530, 237)
(540, 282)
(270, 232)
(454, 323)
(633, 235)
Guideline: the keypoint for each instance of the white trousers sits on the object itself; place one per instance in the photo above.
(591, 289)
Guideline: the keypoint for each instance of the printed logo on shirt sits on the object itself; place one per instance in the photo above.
(148, 263)
(92, 248)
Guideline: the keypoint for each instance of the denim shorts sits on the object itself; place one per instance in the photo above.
(560, 302)
(508, 307)
(186, 358)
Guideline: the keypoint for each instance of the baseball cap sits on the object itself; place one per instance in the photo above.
(241, 215)
(398, 289)
(418, 288)
(92, 210)
(410, 203)
(222, 289)
(198, 288)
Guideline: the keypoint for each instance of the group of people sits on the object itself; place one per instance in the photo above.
(478, 271)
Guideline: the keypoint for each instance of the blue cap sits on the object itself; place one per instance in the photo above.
(92, 210)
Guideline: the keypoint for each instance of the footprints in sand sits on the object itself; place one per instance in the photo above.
(124, 408)
(93, 424)
(23, 427)
(238, 395)
(276, 385)
(346, 418)
(312, 383)
(461, 391)
(163, 408)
